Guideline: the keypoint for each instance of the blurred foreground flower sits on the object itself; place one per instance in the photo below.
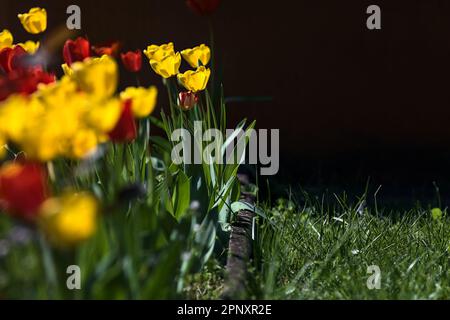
(197, 56)
(6, 39)
(96, 76)
(30, 46)
(132, 60)
(105, 115)
(23, 188)
(125, 129)
(195, 80)
(143, 101)
(203, 7)
(70, 219)
(187, 100)
(76, 50)
(35, 21)
(10, 57)
(51, 131)
(23, 81)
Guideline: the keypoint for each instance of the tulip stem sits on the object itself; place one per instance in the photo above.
(49, 266)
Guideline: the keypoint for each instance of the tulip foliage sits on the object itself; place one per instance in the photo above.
(84, 173)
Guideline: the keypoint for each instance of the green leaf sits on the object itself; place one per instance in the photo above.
(224, 219)
(156, 122)
(241, 205)
(158, 164)
(233, 136)
(162, 143)
(182, 195)
(205, 238)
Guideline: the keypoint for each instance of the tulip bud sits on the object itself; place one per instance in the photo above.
(109, 48)
(132, 61)
(187, 100)
(77, 50)
(203, 7)
(125, 129)
(23, 188)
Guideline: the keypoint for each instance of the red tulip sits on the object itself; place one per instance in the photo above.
(10, 58)
(125, 130)
(187, 100)
(23, 188)
(23, 81)
(132, 60)
(77, 50)
(110, 49)
(203, 7)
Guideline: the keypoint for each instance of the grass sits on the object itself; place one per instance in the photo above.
(207, 284)
(320, 252)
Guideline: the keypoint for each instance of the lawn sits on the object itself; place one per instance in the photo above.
(318, 251)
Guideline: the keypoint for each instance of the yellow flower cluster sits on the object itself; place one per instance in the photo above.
(7, 41)
(166, 62)
(97, 77)
(163, 59)
(70, 117)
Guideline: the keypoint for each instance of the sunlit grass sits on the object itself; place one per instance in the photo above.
(316, 253)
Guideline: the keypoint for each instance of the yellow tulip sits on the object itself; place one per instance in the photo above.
(2, 146)
(67, 70)
(84, 142)
(42, 128)
(35, 21)
(13, 111)
(198, 56)
(6, 39)
(195, 80)
(167, 67)
(96, 76)
(143, 100)
(30, 46)
(56, 93)
(104, 116)
(69, 220)
(158, 53)
(52, 133)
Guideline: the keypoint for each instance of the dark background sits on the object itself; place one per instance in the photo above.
(350, 102)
